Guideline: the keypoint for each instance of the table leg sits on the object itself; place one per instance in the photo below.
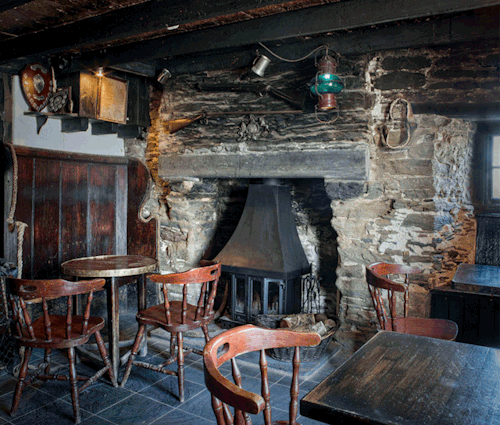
(142, 304)
(113, 323)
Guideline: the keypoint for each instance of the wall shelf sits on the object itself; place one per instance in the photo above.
(51, 115)
(72, 123)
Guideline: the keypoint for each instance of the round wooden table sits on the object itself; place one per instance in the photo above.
(112, 267)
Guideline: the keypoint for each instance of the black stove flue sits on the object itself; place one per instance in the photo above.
(264, 258)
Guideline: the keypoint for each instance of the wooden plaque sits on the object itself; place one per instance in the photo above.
(37, 85)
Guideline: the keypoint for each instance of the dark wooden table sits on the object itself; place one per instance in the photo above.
(477, 275)
(406, 379)
(113, 267)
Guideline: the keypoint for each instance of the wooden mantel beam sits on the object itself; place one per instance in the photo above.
(348, 162)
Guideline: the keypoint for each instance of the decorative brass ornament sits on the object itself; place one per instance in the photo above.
(59, 101)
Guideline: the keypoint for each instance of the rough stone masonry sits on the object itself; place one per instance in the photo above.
(414, 206)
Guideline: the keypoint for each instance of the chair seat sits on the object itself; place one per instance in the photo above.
(155, 316)
(177, 317)
(435, 328)
(58, 327)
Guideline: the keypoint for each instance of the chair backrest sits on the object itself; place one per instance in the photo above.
(36, 291)
(378, 279)
(240, 340)
(207, 275)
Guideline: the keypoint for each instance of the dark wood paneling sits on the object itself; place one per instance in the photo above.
(488, 239)
(76, 205)
(121, 210)
(470, 320)
(477, 315)
(46, 212)
(488, 322)
(141, 236)
(102, 205)
(74, 181)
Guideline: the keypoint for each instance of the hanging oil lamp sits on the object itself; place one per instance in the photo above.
(326, 84)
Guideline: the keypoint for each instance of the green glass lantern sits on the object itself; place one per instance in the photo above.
(326, 84)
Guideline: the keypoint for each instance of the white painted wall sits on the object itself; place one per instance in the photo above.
(50, 137)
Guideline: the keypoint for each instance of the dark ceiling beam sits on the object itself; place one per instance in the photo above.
(154, 15)
(306, 22)
(139, 68)
(11, 4)
(482, 24)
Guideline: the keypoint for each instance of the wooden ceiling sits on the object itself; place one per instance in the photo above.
(200, 35)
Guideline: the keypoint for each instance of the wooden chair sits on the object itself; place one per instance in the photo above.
(59, 331)
(177, 317)
(378, 279)
(240, 340)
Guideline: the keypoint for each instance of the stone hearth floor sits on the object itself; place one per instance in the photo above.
(150, 397)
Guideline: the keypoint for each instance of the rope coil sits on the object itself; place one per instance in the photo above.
(12, 224)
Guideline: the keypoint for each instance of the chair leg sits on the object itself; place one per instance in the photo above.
(173, 337)
(180, 366)
(74, 387)
(205, 332)
(133, 353)
(20, 383)
(105, 358)
(46, 359)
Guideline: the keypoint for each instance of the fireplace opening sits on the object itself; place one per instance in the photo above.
(264, 261)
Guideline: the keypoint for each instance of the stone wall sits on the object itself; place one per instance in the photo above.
(415, 208)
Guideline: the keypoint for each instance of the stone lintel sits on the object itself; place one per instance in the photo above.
(342, 163)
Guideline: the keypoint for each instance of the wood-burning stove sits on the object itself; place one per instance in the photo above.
(264, 260)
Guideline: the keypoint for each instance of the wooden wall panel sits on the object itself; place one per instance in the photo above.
(488, 239)
(121, 210)
(102, 205)
(46, 199)
(75, 206)
(477, 315)
(141, 235)
(74, 213)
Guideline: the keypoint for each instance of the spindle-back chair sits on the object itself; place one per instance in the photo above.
(55, 331)
(241, 340)
(178, 316)
(379, 281)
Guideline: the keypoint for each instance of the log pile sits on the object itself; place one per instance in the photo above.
(308, 322)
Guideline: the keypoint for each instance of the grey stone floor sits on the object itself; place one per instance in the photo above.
(150, 397)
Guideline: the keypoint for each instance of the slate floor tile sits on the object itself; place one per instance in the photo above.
(167, 390)
(31, 399)
(96, 420)
(200, 405)
(141, 378)
(148, 397)
(100, 396)
(135, 410)
(59, 412)
(180, 417)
